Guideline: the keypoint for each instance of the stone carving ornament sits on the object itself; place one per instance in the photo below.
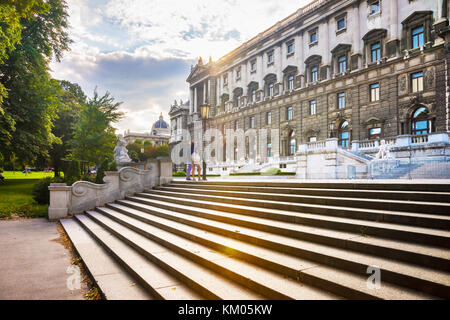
(331, 101)
(402, 84)
(429, 78)
(121, 152)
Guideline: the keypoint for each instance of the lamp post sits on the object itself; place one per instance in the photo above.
(204, 112)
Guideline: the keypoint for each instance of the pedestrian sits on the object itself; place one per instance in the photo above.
(189, 164)
(2, 178)
(196, 160)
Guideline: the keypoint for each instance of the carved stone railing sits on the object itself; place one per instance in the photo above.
(83, 195)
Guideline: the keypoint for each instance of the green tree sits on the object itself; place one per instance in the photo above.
(72, 100)
(73, 173)
(33, 97)
(11, 12)
(94, 138)
(101, 171)
(162, 151)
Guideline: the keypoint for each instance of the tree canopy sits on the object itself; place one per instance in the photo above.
(33, 99)
(94, 138)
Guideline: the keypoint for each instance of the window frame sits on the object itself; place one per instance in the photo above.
(271, 89)
(371, 4)
(421, 36)
(376, 136)
(289, 44)
(314, 74)
(251, 122)
(377, 51)
(268, 117)
(270, 57)
(290, 82)
(417, 83)
(342, 62)
(341, 101)
(344, 19)
(253, 66)
(374, 92)
(312, 107)
(290, 113)
(313, 32)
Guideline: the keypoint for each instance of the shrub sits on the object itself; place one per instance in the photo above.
(40, 192)
(73, 172)
(104, 165)
(113, 166)
(180, 174)
(245, 174)
(273, 171)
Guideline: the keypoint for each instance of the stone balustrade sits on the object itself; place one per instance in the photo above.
(84, 195)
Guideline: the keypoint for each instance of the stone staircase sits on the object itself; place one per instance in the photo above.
(277, 240)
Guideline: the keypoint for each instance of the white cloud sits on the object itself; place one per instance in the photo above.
(140, 50)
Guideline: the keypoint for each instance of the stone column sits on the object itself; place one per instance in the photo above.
(356, 31)
(394, 19)
(191, 102)
(326, 51)
(195, 100)
(326, 44)
(204, 92)
(278, 66)
(300, 59)
(392, 44)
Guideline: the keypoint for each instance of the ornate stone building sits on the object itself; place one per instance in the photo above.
(353, 70)
(179, 114)
(159, 135)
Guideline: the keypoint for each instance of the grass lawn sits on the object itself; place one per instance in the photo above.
(33, 175)
(16, 198)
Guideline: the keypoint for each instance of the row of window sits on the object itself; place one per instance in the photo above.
(417, 40)
(417, 85)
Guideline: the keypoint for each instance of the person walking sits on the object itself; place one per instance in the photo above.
(2, 178)
(189, 164)
(196, 161)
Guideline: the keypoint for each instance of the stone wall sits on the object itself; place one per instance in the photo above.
(83, 195)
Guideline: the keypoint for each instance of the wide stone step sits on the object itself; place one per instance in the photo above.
(396, 217)
(157, 281)
(264, 282)
(408, 276)
(348, 193)
(428, 256)
(110, 278)
(141, 254)
(378, 204)
(403, 185)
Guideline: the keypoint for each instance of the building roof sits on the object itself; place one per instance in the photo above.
(160, 124)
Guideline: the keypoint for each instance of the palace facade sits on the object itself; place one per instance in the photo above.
(353, 70)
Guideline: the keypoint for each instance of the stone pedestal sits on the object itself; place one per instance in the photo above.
(60, 196)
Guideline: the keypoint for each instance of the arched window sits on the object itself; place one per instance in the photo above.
(421, 122)
(271, 90)
(290, 82)
(344, 135)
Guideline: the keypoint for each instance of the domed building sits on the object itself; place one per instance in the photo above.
(159, 135)
(160, 127)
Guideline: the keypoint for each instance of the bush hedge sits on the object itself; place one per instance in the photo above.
(40, 192)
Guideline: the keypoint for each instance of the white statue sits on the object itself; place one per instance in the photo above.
(384, 153)
(121, 152)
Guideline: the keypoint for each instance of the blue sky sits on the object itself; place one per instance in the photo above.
(142, 50)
